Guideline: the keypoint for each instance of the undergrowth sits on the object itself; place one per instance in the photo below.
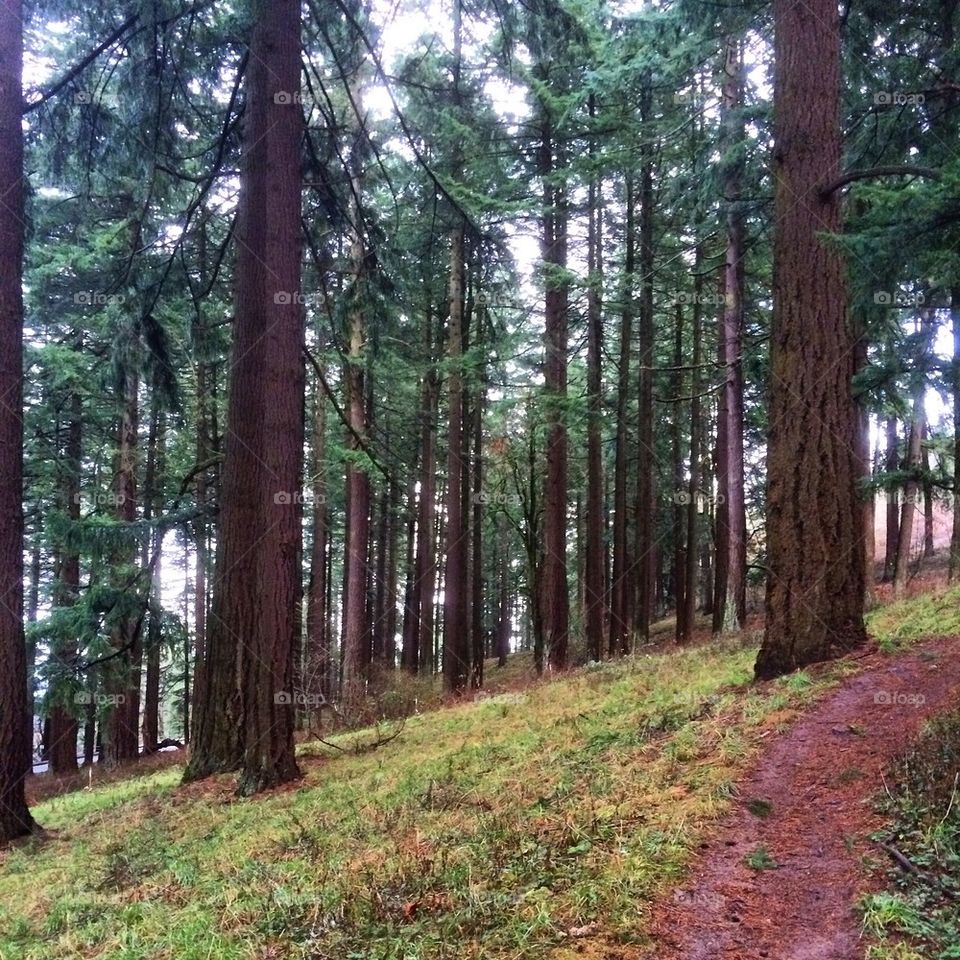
(918, 915)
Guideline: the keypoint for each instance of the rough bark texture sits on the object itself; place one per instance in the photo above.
(15, 819)
(554, 587)
(241, 714)
(272, 180)
(814, 599)
(730, 595)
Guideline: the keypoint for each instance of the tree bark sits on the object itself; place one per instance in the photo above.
(892, 465)
(456, 655)
(554, 585)
(620, 592)
(15, 819)
(914, 463)
(64, 727)
(730, 594)
(596, 519)
(814, 600)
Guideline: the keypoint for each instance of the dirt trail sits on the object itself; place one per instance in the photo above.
(819, 780)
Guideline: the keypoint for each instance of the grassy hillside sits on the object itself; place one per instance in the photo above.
(515, 826)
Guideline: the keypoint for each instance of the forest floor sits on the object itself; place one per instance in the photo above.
(581, 816)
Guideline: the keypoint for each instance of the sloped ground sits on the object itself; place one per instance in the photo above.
(542, 822)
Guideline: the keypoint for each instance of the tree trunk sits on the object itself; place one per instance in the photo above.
(679, 494)
(15, 819)
(256, 576)
(892, 465)
(620, 591)
(318, 659)
(730, 594)
(555, 590)
(356, 637)
(913, 486)
(694, 497)
(153, 506)
(645, 553)
(954, 572)
(121, 741)
(64, 726)
(596, 519)
(814, 601)
(456, 655)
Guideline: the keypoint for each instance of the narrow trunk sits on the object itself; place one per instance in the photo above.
(64, 726)
(620, 579)
(730, 594)
(596, 518)
(892, 466)
(914, 460)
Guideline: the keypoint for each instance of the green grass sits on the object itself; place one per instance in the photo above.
(485, 830)
(923, 804)
(899, 624)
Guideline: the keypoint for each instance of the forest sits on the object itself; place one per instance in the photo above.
(392, 393)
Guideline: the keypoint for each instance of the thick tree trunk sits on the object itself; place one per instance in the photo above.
(256, 578)
(814, 601)
(15, 819)
(272, 181)
(620, 575)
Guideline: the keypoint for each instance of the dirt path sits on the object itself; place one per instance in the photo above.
(819, 780)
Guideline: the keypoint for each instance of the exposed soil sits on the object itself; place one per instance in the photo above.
(808, 803)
